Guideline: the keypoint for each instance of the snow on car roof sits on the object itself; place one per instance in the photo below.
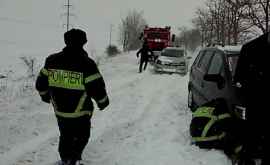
(175, 48)
(231, 48)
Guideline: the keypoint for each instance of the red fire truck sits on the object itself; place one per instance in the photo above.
(157, 38)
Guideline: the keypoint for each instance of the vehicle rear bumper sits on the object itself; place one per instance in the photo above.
(171, 69)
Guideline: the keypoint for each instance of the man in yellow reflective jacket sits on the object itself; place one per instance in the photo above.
(69, 80)
(212, 126)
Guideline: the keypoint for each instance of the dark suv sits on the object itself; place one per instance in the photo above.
(211, 77)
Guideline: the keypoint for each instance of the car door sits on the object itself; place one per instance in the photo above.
(198, 72)
(212, 89)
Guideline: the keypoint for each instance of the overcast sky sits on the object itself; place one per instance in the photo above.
(28, 23)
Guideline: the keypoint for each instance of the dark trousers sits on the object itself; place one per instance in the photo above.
(257, 130)
(143, 61)
(256, 143)
(74, 136)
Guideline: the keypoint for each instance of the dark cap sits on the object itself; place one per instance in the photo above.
(145, 43)
(75, 37)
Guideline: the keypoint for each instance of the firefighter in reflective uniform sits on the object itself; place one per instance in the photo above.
(212, 126)
(69, 80)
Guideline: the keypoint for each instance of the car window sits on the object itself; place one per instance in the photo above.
(173, 53)
(204, 61)
(216, 64)
(232, 60)
(198, 57)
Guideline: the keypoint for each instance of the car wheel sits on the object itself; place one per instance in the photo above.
(191, 103)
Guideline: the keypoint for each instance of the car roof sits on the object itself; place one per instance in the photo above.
(228, 49)
(236, 48)
(174, 48)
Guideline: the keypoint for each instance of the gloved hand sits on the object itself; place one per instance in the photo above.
(103, 105)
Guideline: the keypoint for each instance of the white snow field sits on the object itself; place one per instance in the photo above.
(146, 123)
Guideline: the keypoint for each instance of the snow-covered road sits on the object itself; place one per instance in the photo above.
(146, 123)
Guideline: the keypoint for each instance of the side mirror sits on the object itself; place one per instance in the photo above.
(215, 78)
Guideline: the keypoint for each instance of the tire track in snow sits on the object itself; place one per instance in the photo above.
(26, 126)
(12, 157)
(114, 137)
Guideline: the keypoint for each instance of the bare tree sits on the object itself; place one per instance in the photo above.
(224, 21)
(188, 38)
(237, 26)
(255, 13)
(259, 14)
(30, 63)
(203, 22)
(130, 28)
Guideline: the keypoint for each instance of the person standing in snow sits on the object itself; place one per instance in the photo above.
(144, 55)
(69, 80)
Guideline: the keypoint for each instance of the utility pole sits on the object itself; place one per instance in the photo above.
(110, 40)
(68, 13)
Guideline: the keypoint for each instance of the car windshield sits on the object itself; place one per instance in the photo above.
(233, 59)
(173, 53)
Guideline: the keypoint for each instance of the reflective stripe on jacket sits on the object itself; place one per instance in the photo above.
(70, 80)
(212, 119)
